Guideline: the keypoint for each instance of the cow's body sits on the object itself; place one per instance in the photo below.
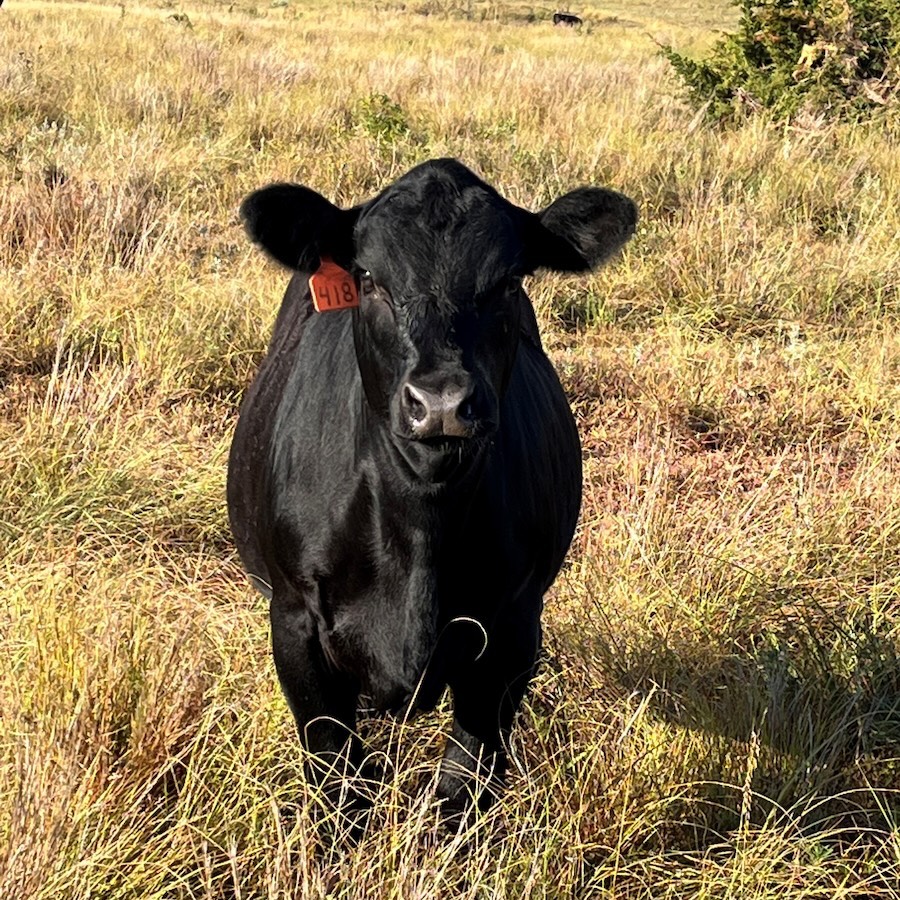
(566, 19)
(402, 557)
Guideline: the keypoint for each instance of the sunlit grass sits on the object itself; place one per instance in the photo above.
(718, 712)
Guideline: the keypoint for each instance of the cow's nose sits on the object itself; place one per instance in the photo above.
(449, 412)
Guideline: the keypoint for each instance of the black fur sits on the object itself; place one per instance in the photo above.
(405, 478)
(561, 18)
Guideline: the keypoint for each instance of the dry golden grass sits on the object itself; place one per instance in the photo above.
(718, 714)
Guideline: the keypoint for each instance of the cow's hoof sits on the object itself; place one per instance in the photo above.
(342, 820)
(462, 799)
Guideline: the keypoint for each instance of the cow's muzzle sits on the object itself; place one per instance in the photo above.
(442, 426)
(447, 412)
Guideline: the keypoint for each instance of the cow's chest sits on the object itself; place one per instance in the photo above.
(374, 562)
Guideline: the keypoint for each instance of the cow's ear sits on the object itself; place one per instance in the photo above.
(296, 226)
(580, 230)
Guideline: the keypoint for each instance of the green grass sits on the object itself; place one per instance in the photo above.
(718, 713)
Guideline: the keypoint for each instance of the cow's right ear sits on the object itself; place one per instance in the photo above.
(296, 226)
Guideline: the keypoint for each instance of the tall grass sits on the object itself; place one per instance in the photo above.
(718, 710)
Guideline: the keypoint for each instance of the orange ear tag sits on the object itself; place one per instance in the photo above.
(332, 287)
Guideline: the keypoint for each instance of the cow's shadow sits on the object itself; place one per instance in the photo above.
(805, 715)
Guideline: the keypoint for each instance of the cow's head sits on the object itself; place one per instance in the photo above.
(439, 258)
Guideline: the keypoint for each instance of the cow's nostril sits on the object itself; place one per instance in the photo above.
(450, 412)
(415, 404)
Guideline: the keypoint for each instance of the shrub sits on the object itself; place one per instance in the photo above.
(382, 119)
(838, 57)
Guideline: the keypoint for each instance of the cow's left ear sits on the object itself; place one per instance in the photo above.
(580, 230)
(296, 226)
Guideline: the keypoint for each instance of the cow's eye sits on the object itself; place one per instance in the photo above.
(513, 283)
(366, 283)
(368, 290)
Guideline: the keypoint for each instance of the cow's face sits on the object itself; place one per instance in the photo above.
(438, 257)
(440, 263)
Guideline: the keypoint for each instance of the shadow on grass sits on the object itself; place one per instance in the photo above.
(798, 723)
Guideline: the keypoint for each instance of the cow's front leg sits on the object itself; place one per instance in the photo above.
(471, 770)
(486, 695)
(322, 700)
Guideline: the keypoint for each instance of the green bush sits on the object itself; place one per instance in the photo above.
(838, 57)
(382, 119)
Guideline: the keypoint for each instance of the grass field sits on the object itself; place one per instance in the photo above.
(718, 715)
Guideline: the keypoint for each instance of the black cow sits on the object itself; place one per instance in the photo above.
(405, 476)
(561, 18)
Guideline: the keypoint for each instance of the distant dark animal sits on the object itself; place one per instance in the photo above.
(561, 18)
(405, 476)
(182, 19)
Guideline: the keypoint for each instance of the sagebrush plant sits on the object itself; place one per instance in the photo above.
(834, 57)
(717, 713)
